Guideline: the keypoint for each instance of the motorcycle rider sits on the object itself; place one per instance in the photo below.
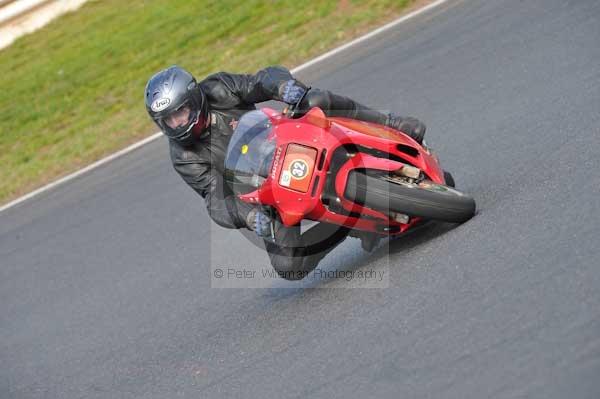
(199, 118)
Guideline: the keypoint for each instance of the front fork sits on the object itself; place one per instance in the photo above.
(272, 213)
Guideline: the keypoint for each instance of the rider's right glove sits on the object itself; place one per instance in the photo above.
(259, 222)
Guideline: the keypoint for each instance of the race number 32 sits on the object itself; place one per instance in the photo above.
(297, 168)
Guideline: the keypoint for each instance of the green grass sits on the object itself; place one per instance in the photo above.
(72, 92)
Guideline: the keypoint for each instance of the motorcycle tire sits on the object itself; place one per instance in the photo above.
(425, 199)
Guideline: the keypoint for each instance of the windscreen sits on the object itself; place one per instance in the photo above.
(250, 153)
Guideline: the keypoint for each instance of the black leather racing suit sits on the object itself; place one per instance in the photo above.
(201, 162)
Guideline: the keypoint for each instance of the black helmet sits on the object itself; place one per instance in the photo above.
(176, 103)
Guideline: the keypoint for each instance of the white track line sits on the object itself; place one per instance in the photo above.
(18, 8)
(159, 134)
(25, 16)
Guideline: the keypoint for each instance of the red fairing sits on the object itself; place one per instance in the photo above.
(302, 166)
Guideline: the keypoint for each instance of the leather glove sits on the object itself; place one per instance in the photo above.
(411, 126)
(259, 223)
(292, 91)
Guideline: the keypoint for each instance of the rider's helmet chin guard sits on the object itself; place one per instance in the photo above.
(176, 104)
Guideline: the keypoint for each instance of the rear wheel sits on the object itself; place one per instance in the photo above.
(424, 199)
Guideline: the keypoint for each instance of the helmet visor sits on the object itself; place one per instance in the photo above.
(178, 118)
(178, 123)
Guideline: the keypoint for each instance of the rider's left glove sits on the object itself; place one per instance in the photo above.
(292, 91)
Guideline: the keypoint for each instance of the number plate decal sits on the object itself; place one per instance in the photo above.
(298, 167)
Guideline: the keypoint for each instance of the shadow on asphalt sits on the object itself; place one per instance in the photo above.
(411, 239)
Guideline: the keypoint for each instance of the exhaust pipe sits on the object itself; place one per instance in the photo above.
(408, 171)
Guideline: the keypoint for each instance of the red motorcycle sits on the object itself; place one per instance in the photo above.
(357, 174)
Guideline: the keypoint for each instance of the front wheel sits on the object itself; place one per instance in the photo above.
(424, 199)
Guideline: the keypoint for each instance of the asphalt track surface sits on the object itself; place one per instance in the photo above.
(105, 282)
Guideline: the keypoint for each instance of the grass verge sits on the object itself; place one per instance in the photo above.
(73, 91)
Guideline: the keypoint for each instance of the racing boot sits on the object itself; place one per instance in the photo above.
(411, 126)
(369, 241)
